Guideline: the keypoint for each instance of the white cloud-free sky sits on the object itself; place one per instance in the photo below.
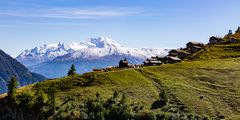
(134, 23)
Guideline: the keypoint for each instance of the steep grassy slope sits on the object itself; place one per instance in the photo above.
(207, 87)
(207, 84)
(217, 81)
(131, 82)
(236, 35)
(217, 51)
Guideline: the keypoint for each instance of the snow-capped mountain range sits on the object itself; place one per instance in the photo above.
(93, 49)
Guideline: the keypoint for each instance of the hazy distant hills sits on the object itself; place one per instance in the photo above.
(10, 67)
(53, 60)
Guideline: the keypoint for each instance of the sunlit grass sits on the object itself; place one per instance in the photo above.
(216, 80)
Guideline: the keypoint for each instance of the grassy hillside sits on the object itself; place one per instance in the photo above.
(207, 87)
(206, 84)
(236, 35)
(217, 51)
(217, 80)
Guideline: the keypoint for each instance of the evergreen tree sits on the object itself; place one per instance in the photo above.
(72, 71)
(229, 33)
(12, 86)
(238, 30)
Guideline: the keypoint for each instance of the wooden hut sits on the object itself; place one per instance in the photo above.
(123, 63)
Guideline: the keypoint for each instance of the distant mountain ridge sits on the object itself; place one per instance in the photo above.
(102, 50)
(10, 67)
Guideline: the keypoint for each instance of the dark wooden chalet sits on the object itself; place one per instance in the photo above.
(179, 53)
(216, 40)
(174, 52)
(194, 46)
(123, 63)
(170, 59)
(152, 62)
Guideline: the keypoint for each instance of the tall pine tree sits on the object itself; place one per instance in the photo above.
(72, 71)
(238, 30)
(229, 33)
(12, 87)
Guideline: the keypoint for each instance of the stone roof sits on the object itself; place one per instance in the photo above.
(195, 43)
(156, 62)
(152, 59)
(197, 47)
(146, 61)
(174, 58)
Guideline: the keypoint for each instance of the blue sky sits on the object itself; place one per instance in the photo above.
(134, 23)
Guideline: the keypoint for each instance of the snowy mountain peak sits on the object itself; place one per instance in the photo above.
(103, 42)
(92, 48)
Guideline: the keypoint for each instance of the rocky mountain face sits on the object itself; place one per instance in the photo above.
(10, 67)
(53, 60)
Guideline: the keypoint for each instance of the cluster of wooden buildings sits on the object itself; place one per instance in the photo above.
(155, 61)
(219, 40)
(176, 55)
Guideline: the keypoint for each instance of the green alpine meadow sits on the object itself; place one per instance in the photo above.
(204, 85)
(119, 60)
